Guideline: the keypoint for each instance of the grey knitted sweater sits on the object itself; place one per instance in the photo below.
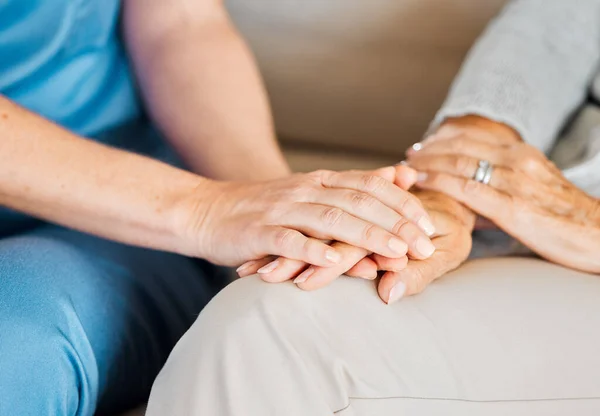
(535, 68)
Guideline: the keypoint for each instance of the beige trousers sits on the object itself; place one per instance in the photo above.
(497, 337)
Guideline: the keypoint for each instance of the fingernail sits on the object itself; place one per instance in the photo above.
(303, 277)
(402, 162)
(397, 292)
(422, 176)
(245, 266)
(426, 226)
(425, 247)
(397, 246)
(269, 267)
(333, 256)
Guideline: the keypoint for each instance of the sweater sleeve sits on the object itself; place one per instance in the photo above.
(531, 68)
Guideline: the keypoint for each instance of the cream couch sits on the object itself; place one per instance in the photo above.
(354, 82)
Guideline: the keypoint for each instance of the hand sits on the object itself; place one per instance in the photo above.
(453, 223)
(527, 197)
(288, 217)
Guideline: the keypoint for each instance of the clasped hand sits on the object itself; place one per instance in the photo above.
(296, 217)
(528, 197)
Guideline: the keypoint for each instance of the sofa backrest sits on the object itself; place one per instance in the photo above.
(367, 74)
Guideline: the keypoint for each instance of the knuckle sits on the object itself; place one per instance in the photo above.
(285, 238)
(397, 228)
(405, 203)
(471, 187)
(419, 281)
(361, 201)
(372, 183)
(529, 162)
(306, 246)
(332, 216)
(320, 176)
(369, 232)
(456, 144)
(274, 214)
(462, 165)
(437, 180)
(299, 191)
(319, 173)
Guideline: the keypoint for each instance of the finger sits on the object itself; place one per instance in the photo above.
(466, 146)
(418, 274)
(401, 175)
(485, 200)
(405, 176)
(365, 269)
(281, 270)
(332, 223)
(504, 180)
(317, 277)
(388, 264)
(371, 210)
(452, 130)
(292, 244)
(518, 157)
(363, 206)
(252, 266)
(388, 173)
(388, 193)
(452, 164)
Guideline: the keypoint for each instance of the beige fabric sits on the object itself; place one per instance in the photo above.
(497, 337)
(369, 74)
(306, 159)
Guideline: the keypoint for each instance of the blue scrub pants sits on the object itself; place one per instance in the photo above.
(85, 323)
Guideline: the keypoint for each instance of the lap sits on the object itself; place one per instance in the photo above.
(121, 308)
(520, 333)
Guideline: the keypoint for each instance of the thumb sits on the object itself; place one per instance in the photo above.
(400, 175)
(388, 173)
(394, 286)
(405, 177)
(418, 274)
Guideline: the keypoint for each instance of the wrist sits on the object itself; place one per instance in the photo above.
(189, 219)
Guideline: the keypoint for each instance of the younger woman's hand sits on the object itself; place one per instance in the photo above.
(357, 262)
(403, 277)
(237, 222)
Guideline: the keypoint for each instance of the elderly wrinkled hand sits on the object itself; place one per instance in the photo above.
(522, 192)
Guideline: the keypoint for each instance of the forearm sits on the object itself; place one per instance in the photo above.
(50, 173)
(203, 89)
(531, 68)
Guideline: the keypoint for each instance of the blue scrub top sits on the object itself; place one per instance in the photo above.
(64, 60)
